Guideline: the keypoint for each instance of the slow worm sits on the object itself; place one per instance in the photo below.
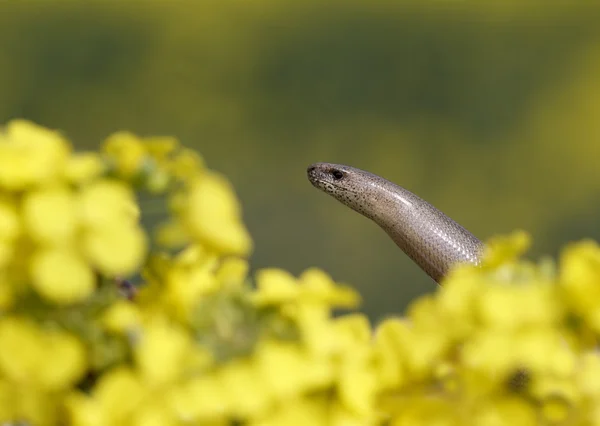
(429, 237)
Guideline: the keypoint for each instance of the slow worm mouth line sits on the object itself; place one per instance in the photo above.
(341, 188)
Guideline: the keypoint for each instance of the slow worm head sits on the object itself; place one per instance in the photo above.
(429, 237)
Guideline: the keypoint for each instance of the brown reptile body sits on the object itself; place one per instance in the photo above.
(429, 237)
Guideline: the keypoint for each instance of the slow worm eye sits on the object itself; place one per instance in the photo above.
(337, 175)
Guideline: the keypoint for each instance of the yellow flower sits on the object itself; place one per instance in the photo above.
(201, 399)
(127, 151)
(161, 352)
(214, 217)
(425, 410)
(490, 353)
(456, 298)
(107, 202)
(317, 286)
(275, 286)
(187, 282)
(580, 276)
(116, 250)
(543, 351)
(247, 394)
(10, 228)
(171, 234)
(119, 393)
(289, 371)
(232, 271)
(7, 294)
(157, 181)
(505, 249)
(316, 330)
(357, 384)
(522, 305)
(537, 351)
(50, 215)
(30, 155)
(504, 412)
(353, 330)
(84, 167)
(387, 353)
(154, 413)
(418, 348)
(122, 316)
(63, 361)
(558, 396)
(297, 412)
(10, 222)
(423, 351)
(556, 409)
(510, 342)
(84, 411)
(61, 276)
(425, 314)
(187, 165)
(339, 415)
(50, 360)
(161, 147)
(19, 402)
(588, 374)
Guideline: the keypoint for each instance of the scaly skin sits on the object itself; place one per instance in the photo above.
(429, 237)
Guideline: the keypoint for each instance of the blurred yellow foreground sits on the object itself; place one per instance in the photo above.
(202, 343)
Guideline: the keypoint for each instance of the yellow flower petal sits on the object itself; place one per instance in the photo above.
(353, 329)
(275, 286)
(505, 412)
(117, 250)
(127, 151)
(297, 412)
(10, 222)
(154, 414)
(121, 317)
(61, 276)
(50, 360)
(31, 155)
(289, 371)
(503, 249)
(357, 384)
(119, 392)
(247, 395)
(84, 411)
(160, 353)
(64, 361)
(50, 215)
(580, 275)
(318, 286)
(387, 355)
(233, 271)
(213, 215)
(187, 165)
(588, 374)
(171, 234)
(203, 398)
(82, 168)
(107, 202)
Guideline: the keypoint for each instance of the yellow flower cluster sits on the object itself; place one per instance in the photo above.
(512, 342)
(203, 343)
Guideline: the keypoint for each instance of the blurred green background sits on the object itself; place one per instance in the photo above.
(489, 110)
